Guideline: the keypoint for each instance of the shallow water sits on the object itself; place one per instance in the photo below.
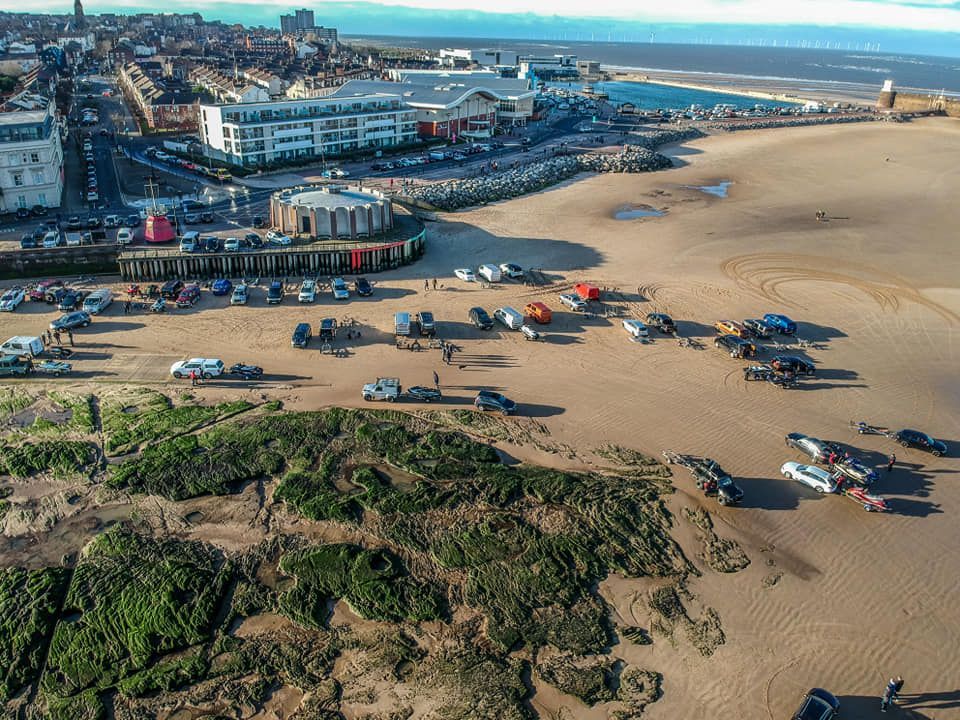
(720, 190)
(631, 213)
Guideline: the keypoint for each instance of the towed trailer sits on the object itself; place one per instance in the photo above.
(870, 502)
(864, 428)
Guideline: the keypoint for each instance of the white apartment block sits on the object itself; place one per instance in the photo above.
(31, 155)
(260, 133)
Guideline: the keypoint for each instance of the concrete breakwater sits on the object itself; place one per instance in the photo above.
(456, 194)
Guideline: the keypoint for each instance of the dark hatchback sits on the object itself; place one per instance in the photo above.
(922, 441)
(171, 289)
(489, 400)
(362, 287)
(818, 704)
(737, 347)
(793, 364)
(479, 317)
(301, 335)
(275, 292)
(662, 322)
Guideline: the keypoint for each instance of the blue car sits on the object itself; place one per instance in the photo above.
(781, 323)
(222, 286)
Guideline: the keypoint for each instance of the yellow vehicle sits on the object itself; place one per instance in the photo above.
(222, 174)
(731, 327)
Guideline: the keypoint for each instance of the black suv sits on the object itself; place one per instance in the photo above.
(794, 364)
(254, 240)
(758, 328)
(171, 289)
(427, 325)
(479, 317)
(275, 292)
(74, 223)
(489, 400)
(737, 347)
(301, 335)
(662, 322)
(917, 439)
(362, 287)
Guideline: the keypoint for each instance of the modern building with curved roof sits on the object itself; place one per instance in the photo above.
(334, 212)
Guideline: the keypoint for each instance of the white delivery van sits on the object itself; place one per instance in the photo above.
(97, 301)
(190, 242)
(437, 155)
(509, 317)
(124, 236)
(22, 345)
(490, 272)
(401, 323)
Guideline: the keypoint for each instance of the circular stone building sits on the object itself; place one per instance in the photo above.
(335, 212)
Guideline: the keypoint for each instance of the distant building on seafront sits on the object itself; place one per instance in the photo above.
(31, 153)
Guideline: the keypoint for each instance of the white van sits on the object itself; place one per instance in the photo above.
(22, 345)
(124, 236)
(98, 301)
(401, 323)
(509, 317)
(190, 242)
(51, 239)
(490, 272)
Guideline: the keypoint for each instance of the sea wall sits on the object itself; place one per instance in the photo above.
(637, 156)
(915, 102)
(41, 262)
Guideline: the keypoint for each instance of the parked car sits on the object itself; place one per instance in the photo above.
(51, 239)
(53, 367)
(112, 221)
(71, 300)
(731, 327)
(793, 364)
(133, 221)
(489, 400)
(27, 242)
(478, 316)
(539, 311)
(221, 286)
(22, 213)
(257, 221)
(203, 367)
(74, 223)
(922, 441)
(171, 289)
(815, 477)
(817, 704)
(39, 210)
(514, 272)
(231, 244)
(279, 239)
(191, 218)
(11, 299)
(254, 240)
(529, 333)
(301, 335)
(816, 450)
(39, 293)
(328, 329)
(362, 287)
(239, 296)
(275, 293)
(737, 347)
(211, 244)
(11, 365)
(189, 242)
(188, 296)
(383, 389)
(246, 372)
(206, 216)
(758, 328)
(71, 321)
(93, 222)
(662, 322)
(573, 302)
(425, 322)
(308, 291)
(781, 323)
(339, 289)
(335, 173)
(424, 394)
(465, 274)
(635, 328)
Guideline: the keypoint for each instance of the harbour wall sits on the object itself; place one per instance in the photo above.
(917, 102)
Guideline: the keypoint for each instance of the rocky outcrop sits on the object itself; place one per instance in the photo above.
(789, 122)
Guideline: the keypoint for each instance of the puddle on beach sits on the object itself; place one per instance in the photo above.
(632, 212)
(719, 190)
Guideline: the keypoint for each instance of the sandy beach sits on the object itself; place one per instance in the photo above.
(834, 596)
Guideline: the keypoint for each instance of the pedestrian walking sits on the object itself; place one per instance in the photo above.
(891, 461)
(193, 378)
(56, 334)
(70, 335)
(434, 283)
(436, 380)
(890, 693)
(426, 284)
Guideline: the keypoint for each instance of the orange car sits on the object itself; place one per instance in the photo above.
(731, 327)
(539, 312)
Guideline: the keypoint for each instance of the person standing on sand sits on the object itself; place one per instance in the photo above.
(891, 461)
(890, 693)
(193, 378)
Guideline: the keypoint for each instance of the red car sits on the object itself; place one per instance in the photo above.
(39, 293)
(188, 296)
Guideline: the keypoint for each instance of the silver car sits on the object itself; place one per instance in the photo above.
(819, 479)
(817, 450)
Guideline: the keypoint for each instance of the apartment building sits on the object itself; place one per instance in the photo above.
(31, 154)
(256, 134)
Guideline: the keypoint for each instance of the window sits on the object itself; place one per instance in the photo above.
(34, 157)
(38, 178)
(18, 179)
(42, 199)
(21, 201)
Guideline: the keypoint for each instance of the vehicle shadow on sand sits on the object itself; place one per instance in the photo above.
(908, 707)
(773, 494)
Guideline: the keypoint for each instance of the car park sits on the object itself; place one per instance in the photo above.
(188, 296)
(635, 328)
(221, 286)
(425, 322)
(424, 394)
(308, 291)
(921, 441)
(239, 296)
(465, 274)
(205, 368)
(573, 302)
(794, 364)
(231, 244)
(758, 328)
(781, 323)
(817, 450)
(275, 293)
(662, 322)
(12, 299)
(817, 704)
(339, 289)
(731, 327)
(478, 316)
(810, 475)
(301, 335)
(70, 321)
(362, 287)
(489, 400)
(514, 272)
(735, 346)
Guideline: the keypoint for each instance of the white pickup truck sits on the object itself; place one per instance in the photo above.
(383, 389)
(205, 368)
